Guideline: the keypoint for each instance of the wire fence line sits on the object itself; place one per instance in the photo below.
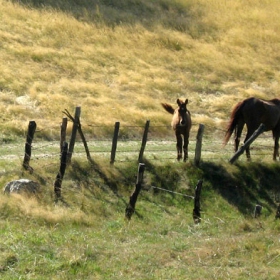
(161, 145)
(169, 191)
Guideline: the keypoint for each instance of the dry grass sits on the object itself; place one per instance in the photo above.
(215, 51)
(119, 60)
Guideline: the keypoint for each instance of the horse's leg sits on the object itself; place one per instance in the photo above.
(249, 134)
(276, 146)
(238, 132)
(179, 145)
(186, 144)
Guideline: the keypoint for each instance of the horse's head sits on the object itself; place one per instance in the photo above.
(182, 111)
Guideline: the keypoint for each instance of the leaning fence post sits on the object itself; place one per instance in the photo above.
(198, 144)
(60, 174)
(115, 141)
(130, 209)
(63, 129)
(196, 210)
(76, 121)
(74, 133)
(28, 143)
(248, 143)
(144, 141)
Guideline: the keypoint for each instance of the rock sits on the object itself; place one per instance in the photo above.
(22, 185)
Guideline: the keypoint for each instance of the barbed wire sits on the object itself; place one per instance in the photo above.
(162, 189)
(166, 141)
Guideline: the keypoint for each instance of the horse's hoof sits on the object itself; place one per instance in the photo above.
(179, 157)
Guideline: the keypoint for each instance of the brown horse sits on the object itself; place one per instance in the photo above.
(253, 112)
(181, 123)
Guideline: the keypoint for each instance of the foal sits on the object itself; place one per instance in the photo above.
(181, 123)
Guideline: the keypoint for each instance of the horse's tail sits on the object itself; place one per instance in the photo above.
(168, 108)
(234, 118)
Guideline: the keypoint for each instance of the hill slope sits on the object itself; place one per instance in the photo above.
(121, 59)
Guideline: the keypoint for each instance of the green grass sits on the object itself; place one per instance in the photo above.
(119, 60)
(88, 237)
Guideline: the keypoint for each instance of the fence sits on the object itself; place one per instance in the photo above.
(124, 144)
(160, 145)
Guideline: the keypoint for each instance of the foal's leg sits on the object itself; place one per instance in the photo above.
(186, 144)
(179, 145)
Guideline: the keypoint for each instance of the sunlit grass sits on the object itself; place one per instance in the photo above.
(62, 60)
(119, 60)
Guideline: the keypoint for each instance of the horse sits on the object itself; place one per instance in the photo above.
(253, 112)
(181, 124)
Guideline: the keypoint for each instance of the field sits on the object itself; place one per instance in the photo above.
(119, 60)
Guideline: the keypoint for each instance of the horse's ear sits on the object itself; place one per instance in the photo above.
(187, 101)
(179, 102)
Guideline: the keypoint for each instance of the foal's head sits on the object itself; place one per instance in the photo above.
(182, 111)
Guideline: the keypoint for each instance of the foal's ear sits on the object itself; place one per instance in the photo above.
(179, 102)
(187, 101)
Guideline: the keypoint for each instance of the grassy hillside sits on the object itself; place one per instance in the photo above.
(119, 60)
(87, 237)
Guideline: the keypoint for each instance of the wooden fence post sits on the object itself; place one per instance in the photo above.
(29, 138)
(63, 129)
(144, 141)
(277, 215)
(196, 210)
(259, 131)
(114, 143)
(130, 209)
(198, 146)
(60, 174)
(257, 211)
(76, 121)
(74, 133)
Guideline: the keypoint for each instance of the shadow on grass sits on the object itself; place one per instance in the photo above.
(247, 185)
(113, 13)
(242, 185)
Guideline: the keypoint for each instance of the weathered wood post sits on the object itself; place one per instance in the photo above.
(196, 210)
(257, 211)
(84, 142)
(114, 143)
(73, 134)
(259, 131)
(29, 138)
(198, 146)
(63, 129)
(277, 216)
(144, 141)
(60, 174)
(130, 209)
(77, 123)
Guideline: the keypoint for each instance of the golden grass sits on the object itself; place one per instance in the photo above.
(215, 53)
(226, 51)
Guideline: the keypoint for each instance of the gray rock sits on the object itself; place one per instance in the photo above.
(22, 185)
